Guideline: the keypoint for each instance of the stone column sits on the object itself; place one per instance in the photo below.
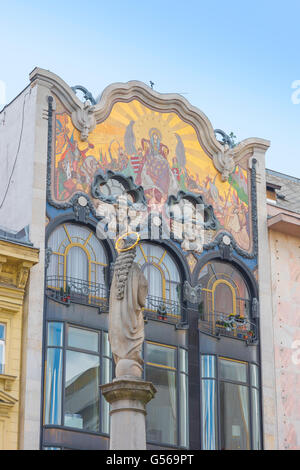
(128, 397)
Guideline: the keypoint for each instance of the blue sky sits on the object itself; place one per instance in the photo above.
(234, 60)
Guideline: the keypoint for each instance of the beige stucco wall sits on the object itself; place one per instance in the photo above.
(285, 272)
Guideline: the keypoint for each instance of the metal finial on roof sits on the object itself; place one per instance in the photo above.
(226, 139)
(86, 93)
(151, 84)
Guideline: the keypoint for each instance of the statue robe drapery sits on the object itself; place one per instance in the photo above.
(126, 322)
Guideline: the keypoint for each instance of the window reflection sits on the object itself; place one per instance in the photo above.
(234, 416)
(53, 386)
(161, 355)
(227, 385)
(82, 391)
(83, 339)
(75, 389)
(162, 414)
(162, 410)
(232, 370)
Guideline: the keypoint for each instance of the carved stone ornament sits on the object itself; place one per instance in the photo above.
(84, 120)
(225, 247)
(81, 208)
(134, 192)
(255, 308)
(224, 162)
(22, 275)
(207, 216)
(48, 253)
(191, 294)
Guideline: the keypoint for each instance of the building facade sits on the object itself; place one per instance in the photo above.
(140, 161)
(17, 256)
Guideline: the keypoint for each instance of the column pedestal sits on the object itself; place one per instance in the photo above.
(128, 398)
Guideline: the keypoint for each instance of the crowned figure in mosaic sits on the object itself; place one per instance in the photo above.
(128, 294)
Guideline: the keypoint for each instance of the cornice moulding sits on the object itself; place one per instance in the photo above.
(8, 381)
(248, 146)
(13, 251)
(169, 102)
(85, 120)
(57, 86)
(6, 403)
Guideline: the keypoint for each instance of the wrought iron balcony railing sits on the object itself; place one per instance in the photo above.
(157, 308)
(70, 289)
(234, 326)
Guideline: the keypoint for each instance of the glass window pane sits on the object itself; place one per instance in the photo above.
(160, 355)
(53, 386)
(183, 403)
(208, 366)
(83, 339)
(77, 263)
(231, 370)
(256, 435)
(209, 415)
(2, 331)
(223, 299)
(234, 417)
(183, 358)
(82, 391)
(2, 357)
(106, 345)
(254, 375)
(155, 280)
(162, 410)
(105, 408)
(55, 334)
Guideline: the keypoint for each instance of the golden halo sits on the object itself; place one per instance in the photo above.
(154, 130)
(121, 250)
(147, 123)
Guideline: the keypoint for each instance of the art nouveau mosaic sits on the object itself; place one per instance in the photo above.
(160, 152)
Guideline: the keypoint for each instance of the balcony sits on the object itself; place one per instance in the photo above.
(233, 326)
(69, 289)
(157, 308)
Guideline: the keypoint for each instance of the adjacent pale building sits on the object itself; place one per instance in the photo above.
(219, 253)
(17, 256)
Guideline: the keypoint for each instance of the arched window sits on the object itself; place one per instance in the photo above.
(77, 264)
(225, 306)
(163, 279)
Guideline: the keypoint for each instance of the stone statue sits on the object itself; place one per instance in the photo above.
(128, 294)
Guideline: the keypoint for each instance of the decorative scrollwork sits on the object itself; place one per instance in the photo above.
(226, 139)
(136, 193)
(192, 294)
(48, 253)
(210, 221)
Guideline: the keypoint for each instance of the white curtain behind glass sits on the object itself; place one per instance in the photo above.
(77, 261)
(157, 255)
(154, 279)
(77, 264)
